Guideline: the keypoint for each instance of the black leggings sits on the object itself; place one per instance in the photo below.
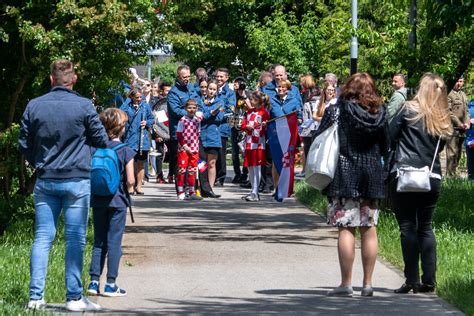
(414, 212)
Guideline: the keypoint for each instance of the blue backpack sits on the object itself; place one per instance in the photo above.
(105, 173)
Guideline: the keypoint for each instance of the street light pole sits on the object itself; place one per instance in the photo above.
(412, 35)
(354, 44)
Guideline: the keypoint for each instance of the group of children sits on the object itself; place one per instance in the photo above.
(196, 124)
(109, 212)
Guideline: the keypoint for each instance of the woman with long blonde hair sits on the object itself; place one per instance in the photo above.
(417, 134)
(328, 96)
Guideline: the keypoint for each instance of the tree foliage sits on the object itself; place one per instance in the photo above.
(314, 36)
(102, 37)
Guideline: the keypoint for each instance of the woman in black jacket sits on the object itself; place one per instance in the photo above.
(415, 132)
(357, 186)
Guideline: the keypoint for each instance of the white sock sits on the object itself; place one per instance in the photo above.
(252, 177)
(257, 179)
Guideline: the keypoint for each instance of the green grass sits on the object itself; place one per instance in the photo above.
(15, 248)
(453, 226)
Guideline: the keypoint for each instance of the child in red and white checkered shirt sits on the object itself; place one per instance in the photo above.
(255, 129)
(187, 134)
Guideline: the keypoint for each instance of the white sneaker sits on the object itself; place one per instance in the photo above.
(182, 196)
(82, 305)
(36, 304)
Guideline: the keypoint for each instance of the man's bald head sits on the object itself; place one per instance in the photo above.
(279, 73)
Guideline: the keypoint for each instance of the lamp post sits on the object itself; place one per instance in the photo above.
(354, 44)
(150, 54)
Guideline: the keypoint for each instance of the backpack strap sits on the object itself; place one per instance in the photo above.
(118, 146)
(404, 97)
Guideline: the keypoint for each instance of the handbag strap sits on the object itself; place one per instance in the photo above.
(435, 153)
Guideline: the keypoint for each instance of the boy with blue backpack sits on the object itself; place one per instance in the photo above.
(112, 176)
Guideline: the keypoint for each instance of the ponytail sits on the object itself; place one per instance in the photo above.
(262, 99)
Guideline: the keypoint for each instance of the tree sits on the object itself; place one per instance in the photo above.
(314, 36)
(102, 37)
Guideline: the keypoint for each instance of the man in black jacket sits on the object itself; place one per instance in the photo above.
(56, 132)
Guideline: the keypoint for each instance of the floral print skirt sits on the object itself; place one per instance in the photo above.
(353, 212)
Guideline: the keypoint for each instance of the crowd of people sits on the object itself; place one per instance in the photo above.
(189, 124)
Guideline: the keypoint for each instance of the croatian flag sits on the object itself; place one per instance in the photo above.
(202, 165)
(282, 135)
(162, 117)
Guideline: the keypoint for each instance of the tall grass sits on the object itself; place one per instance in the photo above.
(453, 226)
(15, 249)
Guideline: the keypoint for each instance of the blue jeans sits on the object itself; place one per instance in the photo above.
(109, 226)
(51, 196)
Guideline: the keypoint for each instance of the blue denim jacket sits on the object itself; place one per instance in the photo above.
(132, 128)
(228, 97)
(280, 107)
(177, 97)
(270, 89)
(210, 135)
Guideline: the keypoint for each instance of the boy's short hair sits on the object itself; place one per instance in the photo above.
(114, 121)
(164, 84)
(190, 102)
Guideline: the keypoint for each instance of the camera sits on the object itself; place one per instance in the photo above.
(242, 86)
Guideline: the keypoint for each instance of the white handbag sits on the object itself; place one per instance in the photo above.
(322, 158)
(411, 179)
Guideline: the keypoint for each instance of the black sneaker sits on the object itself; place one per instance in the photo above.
(246, 185)
(236, 179)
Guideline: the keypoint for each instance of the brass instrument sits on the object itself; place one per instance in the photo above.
(142, 133)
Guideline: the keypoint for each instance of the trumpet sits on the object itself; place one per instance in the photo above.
(142, 134)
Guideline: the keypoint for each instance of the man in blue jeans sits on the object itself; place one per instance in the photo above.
(56, 132)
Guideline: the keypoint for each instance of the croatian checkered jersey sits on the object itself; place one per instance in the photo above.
(188, 132)
(255, 139)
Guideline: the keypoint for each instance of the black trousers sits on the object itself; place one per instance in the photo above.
(234, 138)
(173, 157)
(414, 212)
(203, 178)
(221, 162)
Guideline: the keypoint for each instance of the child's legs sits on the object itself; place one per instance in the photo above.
(117, 218)
(99, 248)
(211, 168)
(256, 176)
(252, 177)
(183, 161)
(192, 168)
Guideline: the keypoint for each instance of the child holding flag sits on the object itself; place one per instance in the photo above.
(255, 129)
(187, 135)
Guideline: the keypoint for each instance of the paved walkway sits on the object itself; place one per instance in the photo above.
(227, 256)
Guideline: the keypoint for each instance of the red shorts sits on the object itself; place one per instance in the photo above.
(186, 160)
